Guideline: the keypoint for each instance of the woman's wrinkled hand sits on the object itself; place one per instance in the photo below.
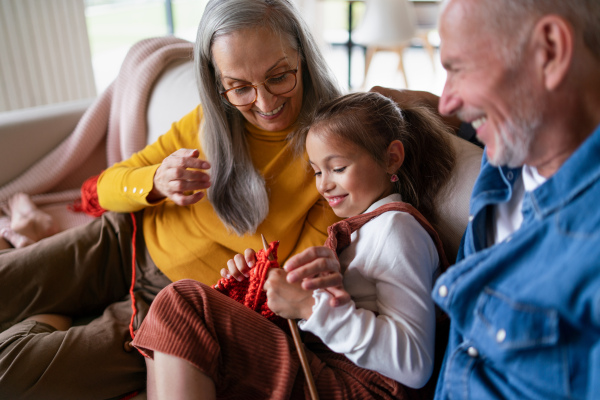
(318, 268)
(288, 300)
(181, 178)
(239, 267)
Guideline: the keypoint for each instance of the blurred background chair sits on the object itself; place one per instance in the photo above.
(391, 25)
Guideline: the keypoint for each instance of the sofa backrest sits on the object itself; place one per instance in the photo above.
(452, 202)
(174, 95)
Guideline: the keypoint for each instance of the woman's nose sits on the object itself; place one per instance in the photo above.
(265, 101)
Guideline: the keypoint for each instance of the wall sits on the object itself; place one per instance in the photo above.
(45, 53)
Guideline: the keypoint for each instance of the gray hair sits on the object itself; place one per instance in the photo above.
(517, 18)
(238, 193)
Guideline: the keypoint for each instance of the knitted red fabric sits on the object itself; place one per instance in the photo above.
(249, 291)
(89, 203)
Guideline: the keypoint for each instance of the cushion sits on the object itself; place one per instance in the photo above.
(452, 201)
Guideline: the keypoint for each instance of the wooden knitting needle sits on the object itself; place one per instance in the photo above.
(298, 343)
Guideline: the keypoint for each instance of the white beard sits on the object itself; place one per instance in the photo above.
(512, 145)
(514, 139)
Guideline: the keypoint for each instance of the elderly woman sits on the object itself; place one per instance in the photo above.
(200, 193)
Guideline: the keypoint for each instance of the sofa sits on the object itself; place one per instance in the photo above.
(37, 145)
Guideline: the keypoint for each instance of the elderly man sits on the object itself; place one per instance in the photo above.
(524, 296)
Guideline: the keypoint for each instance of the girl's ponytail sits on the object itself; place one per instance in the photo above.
(428, 161)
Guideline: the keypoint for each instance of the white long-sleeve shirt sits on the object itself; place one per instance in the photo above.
(389, 326)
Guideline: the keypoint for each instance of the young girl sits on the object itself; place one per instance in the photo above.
(370, 159)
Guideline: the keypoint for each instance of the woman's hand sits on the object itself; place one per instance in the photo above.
(239, 266)
(318, 268)
(288, 300)
(179, 177)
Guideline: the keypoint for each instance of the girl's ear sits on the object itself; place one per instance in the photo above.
(395, 156)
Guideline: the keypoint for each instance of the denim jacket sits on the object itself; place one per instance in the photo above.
(525, 313)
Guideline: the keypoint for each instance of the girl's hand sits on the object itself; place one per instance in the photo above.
(239, 266)
(179, 178)
(318, 268)
(288, 300)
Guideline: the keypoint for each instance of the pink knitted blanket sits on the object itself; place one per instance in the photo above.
(114, 126)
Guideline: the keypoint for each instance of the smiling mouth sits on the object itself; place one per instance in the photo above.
(271, 113)
(335, 200)
(478, 122)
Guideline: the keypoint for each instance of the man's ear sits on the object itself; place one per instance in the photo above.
(395, 156)
(554, 39)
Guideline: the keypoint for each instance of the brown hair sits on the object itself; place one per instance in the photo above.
(372, 121)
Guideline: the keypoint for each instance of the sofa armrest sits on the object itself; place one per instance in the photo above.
(27, 135)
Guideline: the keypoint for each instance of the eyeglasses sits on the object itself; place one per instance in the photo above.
(277, 84)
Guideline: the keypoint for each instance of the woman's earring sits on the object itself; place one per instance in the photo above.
(394, 178)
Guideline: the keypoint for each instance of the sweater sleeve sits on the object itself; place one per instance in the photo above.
(124, 186)
(398, 340)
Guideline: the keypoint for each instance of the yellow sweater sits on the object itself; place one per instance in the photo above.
(191, 242)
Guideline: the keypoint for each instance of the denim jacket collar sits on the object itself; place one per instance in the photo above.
(574, 176)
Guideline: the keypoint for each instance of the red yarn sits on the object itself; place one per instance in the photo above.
(89, 203)
(132, 287)
(131, 395)
(249, 291)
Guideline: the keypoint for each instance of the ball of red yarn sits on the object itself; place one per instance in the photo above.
(249, 291)
(89, 203)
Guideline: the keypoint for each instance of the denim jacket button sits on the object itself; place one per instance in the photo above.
(509, 176)
(500, 335)
(472, 351)
(443, 291)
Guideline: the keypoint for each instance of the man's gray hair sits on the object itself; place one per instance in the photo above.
(516, 18)
(237, 193)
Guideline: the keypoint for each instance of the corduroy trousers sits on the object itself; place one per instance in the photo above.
(246, 355)
(84, 273)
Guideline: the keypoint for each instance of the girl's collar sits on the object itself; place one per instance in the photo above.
(388, 199)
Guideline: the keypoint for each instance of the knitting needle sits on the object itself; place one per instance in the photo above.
(298, 343)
